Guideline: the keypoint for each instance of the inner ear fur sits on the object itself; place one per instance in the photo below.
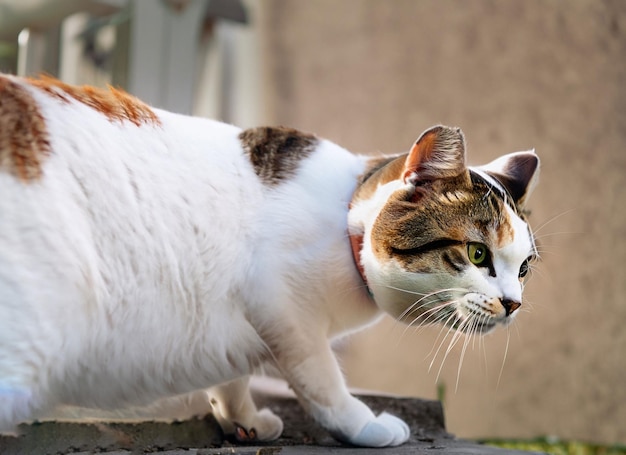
(517, 172)
(438, 153)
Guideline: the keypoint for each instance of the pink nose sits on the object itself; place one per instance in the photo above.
(510, 305)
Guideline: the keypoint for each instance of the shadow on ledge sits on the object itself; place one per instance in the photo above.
(203, 436)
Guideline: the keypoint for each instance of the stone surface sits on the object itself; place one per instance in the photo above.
(202, 436)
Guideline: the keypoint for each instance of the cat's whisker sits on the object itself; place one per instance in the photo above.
(407, 291)
(447, 332)
(506, 351)
(434, 315)
(425, 318)
(429, 317)
(537, 270)
(455, 339)
(411, 307)
(440, 306)
(466, 341)
(552, 220)
(416, 307)
(554, 234)
(437, 317)
(483, 347)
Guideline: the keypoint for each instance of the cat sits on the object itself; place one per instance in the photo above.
(145, 254)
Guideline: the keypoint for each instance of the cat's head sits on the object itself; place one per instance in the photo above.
(439, 242)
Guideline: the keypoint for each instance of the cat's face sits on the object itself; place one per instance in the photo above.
(446, 243)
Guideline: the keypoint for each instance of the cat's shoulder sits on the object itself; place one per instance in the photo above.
(276, 152)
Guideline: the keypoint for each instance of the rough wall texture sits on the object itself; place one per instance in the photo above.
(372, 75)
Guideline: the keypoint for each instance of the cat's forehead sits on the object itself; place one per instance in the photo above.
(469, 208)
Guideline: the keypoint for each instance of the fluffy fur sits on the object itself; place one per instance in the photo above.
(145, 254)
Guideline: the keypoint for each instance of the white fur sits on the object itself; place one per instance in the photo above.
(151, 261)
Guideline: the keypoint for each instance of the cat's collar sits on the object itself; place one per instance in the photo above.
(356, 244)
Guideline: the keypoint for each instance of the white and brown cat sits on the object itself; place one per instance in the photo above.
(145, 254)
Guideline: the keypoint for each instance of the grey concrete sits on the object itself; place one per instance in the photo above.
(202, 436)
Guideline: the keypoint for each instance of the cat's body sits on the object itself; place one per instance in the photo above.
(145, 254)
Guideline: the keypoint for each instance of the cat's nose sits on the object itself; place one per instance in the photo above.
(510, 305)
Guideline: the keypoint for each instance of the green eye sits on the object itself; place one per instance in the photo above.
(478, 253)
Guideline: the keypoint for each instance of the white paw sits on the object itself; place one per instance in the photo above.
(268, 425)
(384, 431)
(263, 426)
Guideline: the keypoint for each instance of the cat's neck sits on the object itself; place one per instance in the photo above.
(356, 244)
(378, 171)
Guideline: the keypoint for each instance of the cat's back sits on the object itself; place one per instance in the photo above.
(96, 186)
(117, 218)
(89, 164)
(45, 123)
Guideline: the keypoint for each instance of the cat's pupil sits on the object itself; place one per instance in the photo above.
(477, 253)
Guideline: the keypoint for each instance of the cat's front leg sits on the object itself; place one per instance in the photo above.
(237, 414)
(315, 376)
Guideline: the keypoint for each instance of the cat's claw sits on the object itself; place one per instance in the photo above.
(385, 431)
(243, 435)
(267, 427)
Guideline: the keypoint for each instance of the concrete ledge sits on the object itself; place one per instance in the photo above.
(203, 436)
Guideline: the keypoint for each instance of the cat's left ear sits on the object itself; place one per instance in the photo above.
(438, 153)
(517, 172)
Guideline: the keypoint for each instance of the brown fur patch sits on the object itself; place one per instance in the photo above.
(276, 152)
(378, 172)
(505, 233)
(114, 104)
(24, 142)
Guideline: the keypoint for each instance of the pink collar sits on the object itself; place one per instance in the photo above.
(356, 244)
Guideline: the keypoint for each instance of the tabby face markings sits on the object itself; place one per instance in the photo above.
(439, 283)
(450, 247)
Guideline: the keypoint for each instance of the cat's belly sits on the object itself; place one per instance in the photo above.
(136, 367)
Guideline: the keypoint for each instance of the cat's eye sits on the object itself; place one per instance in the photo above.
(478, 253)
(524, 269)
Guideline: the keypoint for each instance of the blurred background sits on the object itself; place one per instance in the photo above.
(371, 75)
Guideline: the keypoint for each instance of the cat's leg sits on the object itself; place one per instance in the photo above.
(237, 414)
(16, 405)
(315, 376)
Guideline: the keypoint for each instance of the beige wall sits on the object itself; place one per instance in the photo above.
(372, 74)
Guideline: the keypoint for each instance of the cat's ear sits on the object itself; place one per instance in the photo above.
(517, 172)
(438, 153)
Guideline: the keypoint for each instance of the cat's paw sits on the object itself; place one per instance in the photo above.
(264, 426)
(385, 430)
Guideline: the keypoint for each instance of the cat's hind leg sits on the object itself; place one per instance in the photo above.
(237, 414)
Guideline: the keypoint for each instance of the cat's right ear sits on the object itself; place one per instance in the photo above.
(438, 153)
